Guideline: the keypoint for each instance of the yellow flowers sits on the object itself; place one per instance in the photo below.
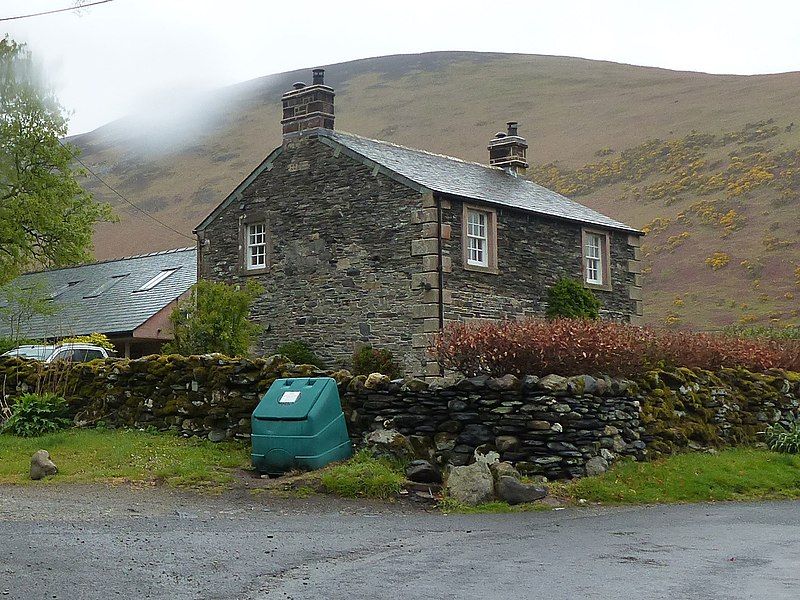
(718, 260)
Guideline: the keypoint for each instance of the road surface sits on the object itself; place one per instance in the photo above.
(69, 542)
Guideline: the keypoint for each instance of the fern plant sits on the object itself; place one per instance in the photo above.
(781, 439)
(37, 414)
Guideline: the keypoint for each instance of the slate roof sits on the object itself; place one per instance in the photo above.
(103, 297)
(453, 176)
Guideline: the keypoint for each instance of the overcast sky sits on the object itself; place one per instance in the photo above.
(109, 60)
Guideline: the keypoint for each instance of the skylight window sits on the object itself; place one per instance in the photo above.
(62, 288)
(157, 279)
(106, 285)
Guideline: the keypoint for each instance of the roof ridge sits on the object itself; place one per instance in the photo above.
(113, 260)
(420, 150)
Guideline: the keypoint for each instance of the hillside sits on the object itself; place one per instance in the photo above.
(707, 163)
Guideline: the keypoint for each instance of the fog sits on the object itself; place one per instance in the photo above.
(156, 59)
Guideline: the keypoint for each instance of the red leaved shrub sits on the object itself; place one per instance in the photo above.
(575, 346)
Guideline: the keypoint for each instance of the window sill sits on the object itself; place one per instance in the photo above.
(605, 287)
(479, 269)
(245, 272)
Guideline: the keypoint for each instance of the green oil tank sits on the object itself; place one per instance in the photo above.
(299, 424)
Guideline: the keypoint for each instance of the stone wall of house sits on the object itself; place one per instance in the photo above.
(341, 268)
(552, 425)
(354, 259)
(533, 252)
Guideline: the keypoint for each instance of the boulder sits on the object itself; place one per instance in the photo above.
(553, 383)
(472, 484)
(421, 471)
(376, 381)
(415, 385)
(596, 466)
(390, 443)
(41, 465)
(503, 384)
(513, 491)
(503, 469)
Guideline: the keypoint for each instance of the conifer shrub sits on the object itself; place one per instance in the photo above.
(568, 299)
(581, 346)
(299, 353)
(368, 360)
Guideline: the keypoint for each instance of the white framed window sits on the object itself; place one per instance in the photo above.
(595, 259)
(477, 238)
(256, 245)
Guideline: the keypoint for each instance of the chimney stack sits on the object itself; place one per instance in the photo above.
(507, 150)
(308, 106)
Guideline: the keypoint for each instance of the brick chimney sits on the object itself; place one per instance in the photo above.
(507, 150)
(308, 106)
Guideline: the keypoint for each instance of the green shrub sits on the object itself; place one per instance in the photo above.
(364, 476)
(37, 414)
(780, 439)
(368, 360)
(214, 318)
(567, 298)
(299, 353)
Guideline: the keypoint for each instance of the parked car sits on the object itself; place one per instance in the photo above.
(60, 352)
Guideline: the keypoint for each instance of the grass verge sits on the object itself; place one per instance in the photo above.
(733, 474)
(94, 456)
(364, 476)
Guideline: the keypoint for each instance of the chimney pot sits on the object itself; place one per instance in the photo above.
(512, 127)
(298, 85)
(319, 76)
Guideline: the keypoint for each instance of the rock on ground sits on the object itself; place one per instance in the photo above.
(596, 466)
(504, 469)
(41, 465)
(472, 484)
(513, 491)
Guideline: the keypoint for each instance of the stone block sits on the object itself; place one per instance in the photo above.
(635, 293)
(634, 266)
(423, 311)
(424, 215)
(634, 240)
(424, 246)
(428, 281)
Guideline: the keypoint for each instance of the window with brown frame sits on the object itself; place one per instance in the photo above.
(254, 245)
(595, 259)
(479, 239)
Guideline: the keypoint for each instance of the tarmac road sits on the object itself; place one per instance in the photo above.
(73, 542)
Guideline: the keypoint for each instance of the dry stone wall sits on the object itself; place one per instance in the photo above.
(553, 426)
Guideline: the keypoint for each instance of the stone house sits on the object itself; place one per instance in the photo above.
(359, 241)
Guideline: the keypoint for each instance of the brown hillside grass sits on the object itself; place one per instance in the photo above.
(452, 103)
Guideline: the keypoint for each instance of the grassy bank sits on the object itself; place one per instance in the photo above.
(89, 456)
(733, 474)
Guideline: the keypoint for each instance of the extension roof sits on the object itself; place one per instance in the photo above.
(429, 172)
(106, 297)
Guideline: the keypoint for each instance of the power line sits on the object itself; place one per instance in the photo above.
(58, 10)
(108, 185)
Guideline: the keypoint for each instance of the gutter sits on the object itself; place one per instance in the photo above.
(440, 269)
